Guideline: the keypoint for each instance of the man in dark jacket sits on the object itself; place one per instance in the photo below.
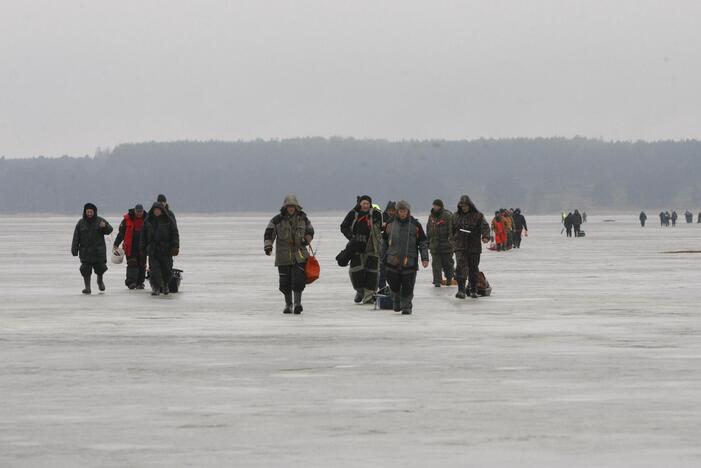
(389, 213)
(470, 230)
(643, 218)
(291, 232)
(520, 226)
(576, 223)
(404, 243)
(129, 235)
(363, 226)
(162, 199)
(569, 221)
(160, 241)
(439, 230)
(674, 218)
(89, 244)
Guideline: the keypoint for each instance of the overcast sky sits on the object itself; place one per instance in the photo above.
(76, 75)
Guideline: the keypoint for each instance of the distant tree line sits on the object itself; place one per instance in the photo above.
(541, 175)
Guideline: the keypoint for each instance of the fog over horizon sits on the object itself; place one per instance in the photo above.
(86, 75)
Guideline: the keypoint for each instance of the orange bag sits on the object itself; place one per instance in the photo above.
(312, 268)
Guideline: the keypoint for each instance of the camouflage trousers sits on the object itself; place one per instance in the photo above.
(467, 268)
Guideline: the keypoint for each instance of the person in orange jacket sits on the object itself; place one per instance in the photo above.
(499, 231)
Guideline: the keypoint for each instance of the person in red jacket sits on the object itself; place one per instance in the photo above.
(499, 232)
(129, 236)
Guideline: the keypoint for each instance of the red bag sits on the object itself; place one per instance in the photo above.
(312, 268)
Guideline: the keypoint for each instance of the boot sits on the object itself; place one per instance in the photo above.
(298, 303)
(473, 293)
(166, 289)
(140, 286)
(132, 286)
(86, 280)
(406, 304)
(396, 302)
(155, 289)
(288, 304)
(358, 296)
(461, 290)
(100, 283)
(368, 296)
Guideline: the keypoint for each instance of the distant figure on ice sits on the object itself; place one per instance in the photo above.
(584, 216)
(160, 241)
(577, 223)
(508, 228)
(568, 224)
(363, 226)
(689, 217)
(470, 230)
(89, 245)
(439, 230)
(291, 232)
(129, 235)
(699, 219)
(643, 218)
(662, 219)
(520, 227)
(499, 231)
(162, 199)
(667, 218)
(674, 218)
(404, 243)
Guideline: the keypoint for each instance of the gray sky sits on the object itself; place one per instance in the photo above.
(81, 74)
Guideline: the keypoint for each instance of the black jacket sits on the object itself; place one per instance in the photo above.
(472, 221)
(160, 233)
(89, 238)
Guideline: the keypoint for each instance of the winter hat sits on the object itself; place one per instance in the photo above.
(89, 206)
(161, 198)
(438, 202)
(291, 199)
(403, 205)
(391, 206)
(139, 207)
(364, 197)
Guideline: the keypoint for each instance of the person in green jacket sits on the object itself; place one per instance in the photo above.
(439, 230)
(291, 232)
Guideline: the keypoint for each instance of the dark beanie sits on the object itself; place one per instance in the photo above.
(161, 198)
(364, 197)
(438, 202)
(139, 207)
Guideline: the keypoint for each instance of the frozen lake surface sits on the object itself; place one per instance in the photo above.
(587, 354)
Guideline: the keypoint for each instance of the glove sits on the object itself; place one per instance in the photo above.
(268, 249)
(307, 239)
(174, 251)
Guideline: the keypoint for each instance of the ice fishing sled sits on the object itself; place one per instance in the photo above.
(383, 299)
(581, 234)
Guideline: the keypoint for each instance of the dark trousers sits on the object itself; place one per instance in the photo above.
(442, 263)
(517, 238)
(402, 282)
(364, 272)
(468, 264)
(86, 268)
(160, 270)
(576, 230)
(569, 231)
(136, 271)
(292, 278)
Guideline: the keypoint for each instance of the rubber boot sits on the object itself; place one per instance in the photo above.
(155, 289)
(86, 281)
(396, 302)
(473, 293)
(461, 290)
(288, 304)
(359, 293)
(406, 304)
(298, 303)
(166, 289)
(100, 283)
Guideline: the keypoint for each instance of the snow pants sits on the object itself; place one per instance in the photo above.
(161, 270)
(468, 264)
(442, 263)
(86, 268)
(292, 278)
(402, 282)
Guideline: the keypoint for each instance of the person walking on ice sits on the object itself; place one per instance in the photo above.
(290, 232)
(89, 245)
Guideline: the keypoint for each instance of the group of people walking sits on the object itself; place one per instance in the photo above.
(573, 223)
(382, 246)
(668, 219)
(509, 227)
(151, 237)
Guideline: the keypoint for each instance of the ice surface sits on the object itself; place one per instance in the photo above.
(588, 353)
